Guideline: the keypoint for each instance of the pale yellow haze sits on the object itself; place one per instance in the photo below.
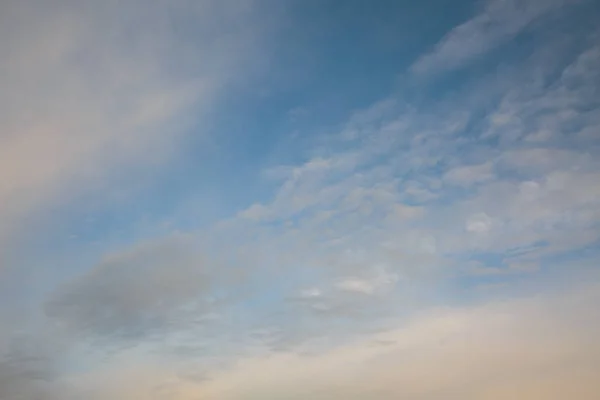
(541, 348)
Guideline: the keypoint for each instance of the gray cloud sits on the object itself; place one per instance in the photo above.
(29, 368)
(138, 292)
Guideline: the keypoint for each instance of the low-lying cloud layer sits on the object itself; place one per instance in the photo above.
(541, 347)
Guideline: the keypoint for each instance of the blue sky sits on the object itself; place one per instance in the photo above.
(299, 199)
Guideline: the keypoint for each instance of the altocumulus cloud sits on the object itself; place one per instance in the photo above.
(436, 246)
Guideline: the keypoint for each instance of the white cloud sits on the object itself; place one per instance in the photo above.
(94, 96)
(310, 293)
(93, 91)
(479, 223)
(382, 196)
(361, 231)
(499, 21)
(382, 281)
(468, 175)
(356, 285)
(255, 212)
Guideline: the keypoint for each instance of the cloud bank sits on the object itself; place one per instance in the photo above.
(537, 348)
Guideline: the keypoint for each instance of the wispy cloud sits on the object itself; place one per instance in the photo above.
(361, 266)
(513, 195)
(92, 92)
(352, 225)
(498, 22)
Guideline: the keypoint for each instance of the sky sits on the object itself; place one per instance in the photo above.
(292, 199)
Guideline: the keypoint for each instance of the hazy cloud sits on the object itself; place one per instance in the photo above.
(514, 349)
(91, 91)
(327, 282)
(138, 292)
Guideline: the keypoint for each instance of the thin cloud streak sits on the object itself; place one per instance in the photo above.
(497, 23)
(93, 93)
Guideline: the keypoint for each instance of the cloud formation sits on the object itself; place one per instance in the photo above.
(498, 22)
(431, 246)
(537, 348)
(415, 187)
(96, 93)
(134, 293)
